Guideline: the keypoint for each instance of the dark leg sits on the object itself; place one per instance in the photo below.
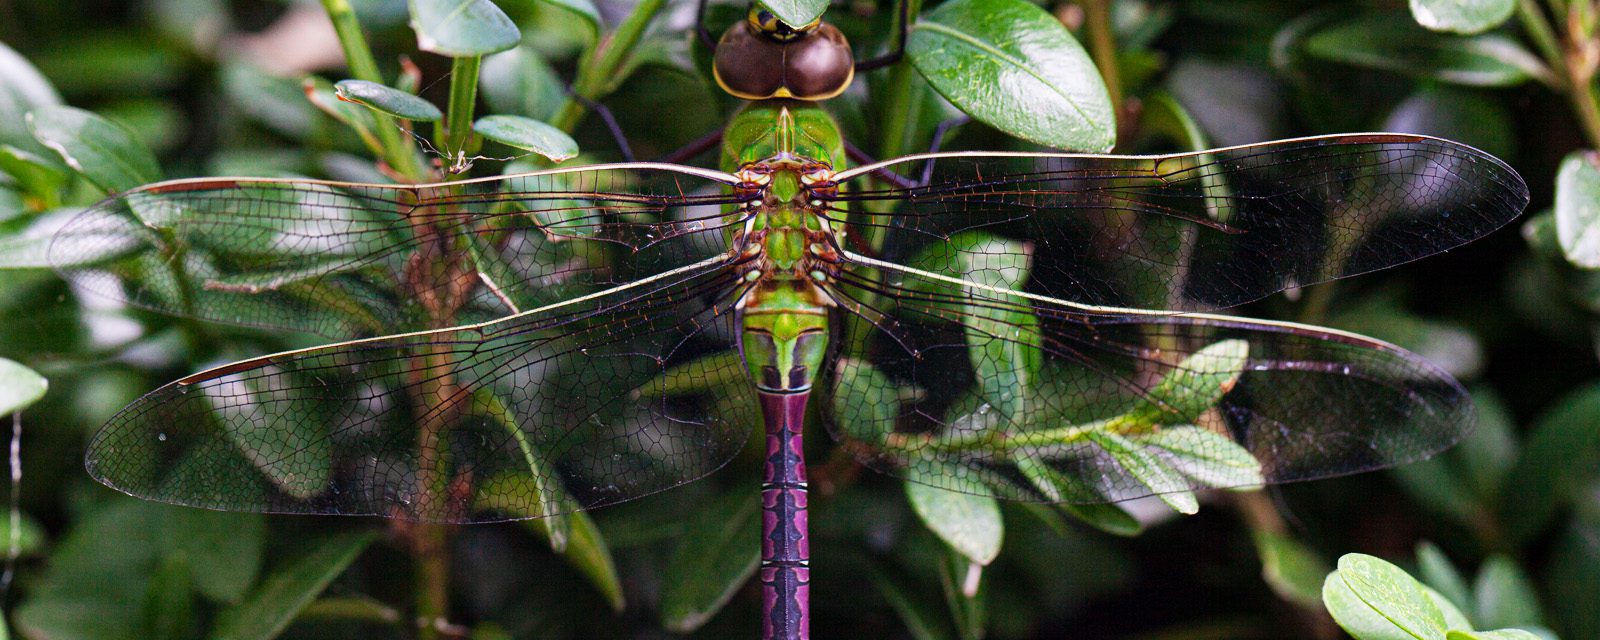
(899, 50)
(938, 141)
(700, 27)
(860, 157)
(689, 151)
(610, 122)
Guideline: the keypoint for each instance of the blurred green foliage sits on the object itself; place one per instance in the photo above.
(174, 88)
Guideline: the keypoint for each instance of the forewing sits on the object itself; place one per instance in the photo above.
(347, 260)
(1201, 231)
(533, 415)
(1048, 402)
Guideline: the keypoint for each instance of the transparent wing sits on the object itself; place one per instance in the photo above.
(347, 260)
(971, 388)
(531, 415)
(1200, 231)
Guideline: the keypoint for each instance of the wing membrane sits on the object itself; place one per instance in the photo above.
(1048, 402)
(1209, 230)
(531, 415)
(347, 260)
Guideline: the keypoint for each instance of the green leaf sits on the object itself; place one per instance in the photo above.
(224, 549)
(1195, 385)
(1207, 457)
(1161, 480)
(587, 551)
(1578, 208)
(19, 387)
(22, 89)
(1395, 44)
(39, 175)
(716, 555)
(1293, 570)
(1503, 634)
(1437, 572)
(106, 153)
(529, 135)
(1504, 595)
(462, 28)
(1110, 518)
(1462, 16)
(388, 100)
(583, 9)
(1375, 600)
(169, 600)
(289, 588)
(520, 82)
(921, 617)
(1573, 575)
(963, 513)
(1470, 116)
(320, 93)
(1559, 458)
(1015, 67)
(796, 13)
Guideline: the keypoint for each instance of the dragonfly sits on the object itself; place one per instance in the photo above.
(1036, 326)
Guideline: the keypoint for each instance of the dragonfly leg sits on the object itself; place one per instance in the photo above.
(857, 155)
(700, 30)
(899, 50)
(610, 122)
(689, 151)
(938, 141)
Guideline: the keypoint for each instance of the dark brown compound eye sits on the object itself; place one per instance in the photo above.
(817, 65)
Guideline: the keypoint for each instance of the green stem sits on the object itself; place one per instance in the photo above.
(1103, 46)
(397, 151)
(597, 73)
(457, 135)
(1576, 75)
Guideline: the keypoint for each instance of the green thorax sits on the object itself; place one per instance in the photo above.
(784, 314)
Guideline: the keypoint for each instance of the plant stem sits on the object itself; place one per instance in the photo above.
(397, 151)
(1574, 69)
(457, 137)
(597, 73)
(1103, 46)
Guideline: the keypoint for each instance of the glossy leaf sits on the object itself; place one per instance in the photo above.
(862, 396)
(520, 82)
(1574, 574)
(40, 174)
(584, 9)
(1207, 457)
(1469, 116)
(1504, 597)
(387, 100)
(1396, 45)
(1016, 68)
(1436, 571)
(1293, 570)
(1146, 469)
(716, 555)
(19, 387)
(1578, 208)
(796, 13)
(289, 588)
(106, 153)
(1196, 384)
(968, 519)
(1375, 600)
(169, 600)
(224, 551)
(529, 135)
(462, 28)
(321, 94)
(1502, 634)
(1462, 16)
(1559, 458)
(22, 89)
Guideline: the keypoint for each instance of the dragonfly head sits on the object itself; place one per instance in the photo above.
(762, 58)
